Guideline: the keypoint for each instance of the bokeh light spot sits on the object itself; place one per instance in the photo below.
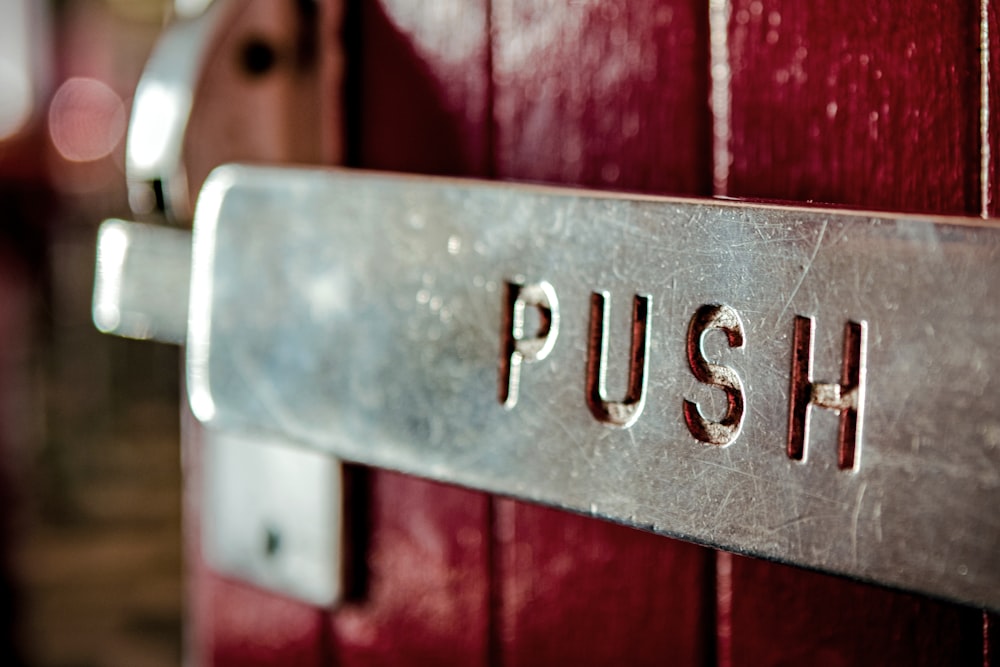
(86, 119)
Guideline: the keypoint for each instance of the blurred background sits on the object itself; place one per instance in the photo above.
(89, 451)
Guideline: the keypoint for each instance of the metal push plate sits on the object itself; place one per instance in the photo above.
(816, 387)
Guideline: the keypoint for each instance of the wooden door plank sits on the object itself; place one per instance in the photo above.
(418, 98)
(992, 42)
(611, 95)
(872, 104)
(785, 616)
(249, 627)
(422, 87)
(577, 591)
(605, 94)
(426, 600)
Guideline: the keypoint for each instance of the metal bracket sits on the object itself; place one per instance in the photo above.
(272, 515)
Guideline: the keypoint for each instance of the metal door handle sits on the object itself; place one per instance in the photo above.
(161, 108)
(811, 386)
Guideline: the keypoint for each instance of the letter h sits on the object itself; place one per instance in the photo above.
(847, 398)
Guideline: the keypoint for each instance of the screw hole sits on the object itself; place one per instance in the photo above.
(272, 542)
(258, 57)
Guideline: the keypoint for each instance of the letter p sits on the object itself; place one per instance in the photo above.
(517, 348)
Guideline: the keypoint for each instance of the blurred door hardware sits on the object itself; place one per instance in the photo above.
(272, 508)
(272, 514)
(365, 316)
(272, 511)
(24, 75)
(162, 106)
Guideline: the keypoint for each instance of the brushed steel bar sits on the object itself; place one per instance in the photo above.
(373, 317)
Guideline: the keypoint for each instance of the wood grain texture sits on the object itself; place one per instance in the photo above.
(786, 616)
(577, 591)
(605, 94)
(611, 95)
(993, 72)
(869, 104)
(423, 88)
(427, 593)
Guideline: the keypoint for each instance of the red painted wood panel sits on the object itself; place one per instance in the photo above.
(613, 95)
(993, 175)
(420, 105)
(424, 86)
(426, 595)
(872, 104)
(606, 94)
(785, 616)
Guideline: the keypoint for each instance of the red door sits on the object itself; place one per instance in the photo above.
(871, 104)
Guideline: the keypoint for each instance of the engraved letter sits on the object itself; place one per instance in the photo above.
(847, 398)
(724, 432)
(625, 413)
(515, 349)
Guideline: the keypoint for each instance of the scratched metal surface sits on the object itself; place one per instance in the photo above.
(361, 314)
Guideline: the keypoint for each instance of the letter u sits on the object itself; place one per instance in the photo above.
(624, 413)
